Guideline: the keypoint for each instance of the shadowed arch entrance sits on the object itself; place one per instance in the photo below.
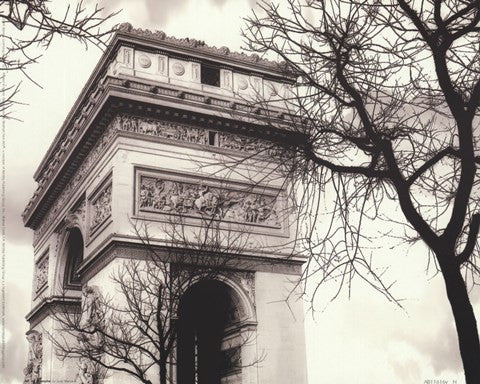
(74, 257)
(209, 311)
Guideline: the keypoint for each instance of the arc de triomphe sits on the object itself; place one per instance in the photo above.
(149, 141)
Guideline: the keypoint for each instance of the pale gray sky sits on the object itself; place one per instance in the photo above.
(363, 339)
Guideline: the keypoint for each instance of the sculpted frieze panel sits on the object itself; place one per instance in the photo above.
(164, 129)
(246, 144)
(41, 274)
(189, 134)
(158, 194)
(101, 207)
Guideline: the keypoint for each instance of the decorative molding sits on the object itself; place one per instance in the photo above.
(33, 370)
(131, 248)
(192, 274)
(41, 274)
(52, 303)
(63, 145)
(160, 194)
(75, 181)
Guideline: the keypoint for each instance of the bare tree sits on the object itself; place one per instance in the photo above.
(388, 94)
(29, 27)
(135, 332)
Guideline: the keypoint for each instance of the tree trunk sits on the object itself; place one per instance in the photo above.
(163, 372)
(465, 322)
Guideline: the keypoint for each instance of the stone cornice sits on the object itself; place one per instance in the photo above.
(48, 304)
(131, 247)
(198, 48)
(79, 110)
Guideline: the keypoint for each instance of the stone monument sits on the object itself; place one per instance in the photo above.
(148, 140)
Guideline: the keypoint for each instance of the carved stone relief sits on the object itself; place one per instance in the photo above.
(242, 83)
(144, 61)
(91, 313)
(127, 56)
(162, 65)
(86, 371)
(160, 195)
(77, 218)
(101, 207)
(167, 130)
(33, 370)
(247, 144)
(195, 72)
(41, 274)
(178, 69)
(246, 280)
(92, 317)
(81, 211)
(226, 78)
(182, 132)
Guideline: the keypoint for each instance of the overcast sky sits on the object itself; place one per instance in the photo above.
(363, 339)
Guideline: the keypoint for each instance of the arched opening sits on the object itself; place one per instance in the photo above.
(74, 250)
(209, 314)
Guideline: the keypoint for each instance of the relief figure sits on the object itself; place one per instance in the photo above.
(33, 369)
(159, 195)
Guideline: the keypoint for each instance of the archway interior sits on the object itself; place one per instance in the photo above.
(74, 258)
(207, 310)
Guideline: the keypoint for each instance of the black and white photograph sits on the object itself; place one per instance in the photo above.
(240, 191)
